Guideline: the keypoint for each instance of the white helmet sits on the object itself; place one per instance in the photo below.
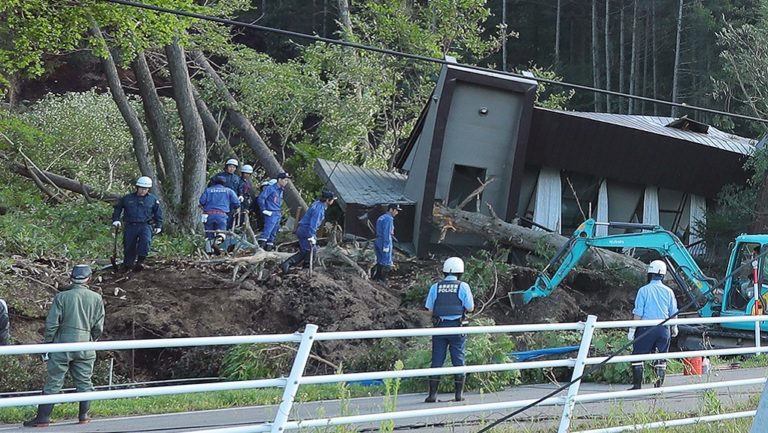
(657, 267)
(453, 265)
(231, 161)
(246, 169)
(144, 182)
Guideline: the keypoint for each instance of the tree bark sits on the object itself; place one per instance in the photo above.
(194, 137)
(633, 60)
(598, 100)
(607, 43)
(558, 13)
(213, 130)
(498, 230)
(159, 131)
(260, 149)
(676, 67)
(654, 49)
(62, 182)
(622, 59)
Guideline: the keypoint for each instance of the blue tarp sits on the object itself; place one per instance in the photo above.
(533, 354)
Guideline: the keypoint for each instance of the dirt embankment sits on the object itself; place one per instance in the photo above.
(193, 300)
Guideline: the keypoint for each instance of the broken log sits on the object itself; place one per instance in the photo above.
(62, 182)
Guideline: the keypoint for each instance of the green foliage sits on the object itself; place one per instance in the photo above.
(391, 390)
(546, 97)
(416, 293)
(256, 361)
(482, 271)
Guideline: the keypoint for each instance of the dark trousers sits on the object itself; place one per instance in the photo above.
(441, 344)
(137, 239)
(656, 340)
(216, 221)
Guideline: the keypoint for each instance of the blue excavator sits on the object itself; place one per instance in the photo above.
(743, 290)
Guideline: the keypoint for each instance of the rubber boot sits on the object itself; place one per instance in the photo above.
(269, 246)
(43, 418)
(139, 263)
(290, 261)
(458, 387)
(84, 417)
(661, 373)
(637, 377)
(375, 272)
(383, 272)
(433, 383)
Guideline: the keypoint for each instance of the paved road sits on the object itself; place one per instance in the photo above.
(465, 423)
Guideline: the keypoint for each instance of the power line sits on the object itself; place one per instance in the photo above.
(418, 57)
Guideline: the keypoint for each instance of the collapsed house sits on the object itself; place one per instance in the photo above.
(550, 167)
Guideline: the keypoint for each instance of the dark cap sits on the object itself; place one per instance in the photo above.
(218, 180)
(80, 272)
(327, 195)
(394, 206)
(283, 176)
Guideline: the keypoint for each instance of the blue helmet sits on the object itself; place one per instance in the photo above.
(80, 273)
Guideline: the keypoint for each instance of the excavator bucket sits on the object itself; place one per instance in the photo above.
(516, 300)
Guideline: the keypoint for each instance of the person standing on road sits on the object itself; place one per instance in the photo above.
(233, 182)
(140, 210)
(654, 301)
(5, 324)
(449, 301)
(385, 230)
(217, 202)
(76, 315)
(306, 232)
(271, 205)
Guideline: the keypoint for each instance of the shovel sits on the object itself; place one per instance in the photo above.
(311, 258)
(113, 259)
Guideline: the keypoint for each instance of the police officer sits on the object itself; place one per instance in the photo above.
(141, 209)
(5, 325)
(246, 173)
(385, 229)
(255, 209)
(217, 202)
(654, 301)
(76, 315)
(306, 232)
(233, 182)
(271, 204)
(448, 301)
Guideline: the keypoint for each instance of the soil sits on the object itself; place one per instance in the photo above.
(187, 299)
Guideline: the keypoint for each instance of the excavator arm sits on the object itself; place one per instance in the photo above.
(655, 238)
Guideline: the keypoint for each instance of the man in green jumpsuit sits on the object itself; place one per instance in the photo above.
(77, 315)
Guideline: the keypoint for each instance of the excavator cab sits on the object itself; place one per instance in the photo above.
(747, 269)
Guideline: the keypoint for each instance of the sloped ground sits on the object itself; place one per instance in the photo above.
(186, 299)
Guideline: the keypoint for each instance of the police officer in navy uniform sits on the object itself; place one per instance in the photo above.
(448, 301)
(385, 230)
(306, 231)
(217, 202)
(654, 301)
(233, 182)
(140, 210)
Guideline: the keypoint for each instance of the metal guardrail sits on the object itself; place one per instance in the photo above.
(306, 339)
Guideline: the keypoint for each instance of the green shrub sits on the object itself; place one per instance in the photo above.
(257, 361)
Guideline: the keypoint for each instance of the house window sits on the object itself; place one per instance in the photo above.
(579, 199)
(464, 181)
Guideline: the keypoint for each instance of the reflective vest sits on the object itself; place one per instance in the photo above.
(447, 302)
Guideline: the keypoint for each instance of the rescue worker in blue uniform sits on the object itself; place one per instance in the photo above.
(76, 315)
(140, 211)
(306, 232)
(246, 173)
(217, 202)
(385, 230)
(448, 301)
(255, 209)
(233, 182)
(654, 301)
(271, 205)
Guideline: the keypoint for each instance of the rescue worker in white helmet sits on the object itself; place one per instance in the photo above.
(449, 300)
(140, 211)
(233, 182)
(654, 301)
(246, 174)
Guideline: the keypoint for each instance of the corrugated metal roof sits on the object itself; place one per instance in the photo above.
(656, 125)
(362, 185)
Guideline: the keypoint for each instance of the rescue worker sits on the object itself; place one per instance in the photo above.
(233, 182)
(654, 301)
(255, 210)
(76, 315)
(271, 205)
(449, 300)
(306, 231)
(385, 229)
(140, 210)
(5, 324)
(217, 202)
(246, 172)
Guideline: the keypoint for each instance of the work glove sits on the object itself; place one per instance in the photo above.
(117, 224)
(673, 331)
(241, 198)
(313, 240)
(158, 230)
(631, 334)
(204, 218)
(267, 212)
(386, 250)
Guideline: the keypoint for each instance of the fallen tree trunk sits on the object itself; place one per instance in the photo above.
(498, 230)
(63, 182)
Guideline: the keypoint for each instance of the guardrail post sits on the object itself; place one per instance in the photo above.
(578, 370)
(292, 384)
